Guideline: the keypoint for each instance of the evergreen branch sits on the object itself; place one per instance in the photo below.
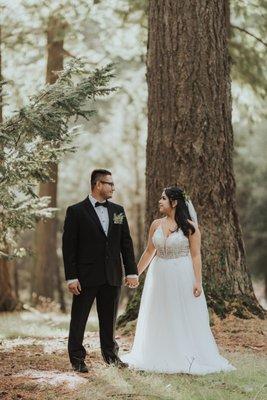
(249, 33)
(68, 54)
(37, 136)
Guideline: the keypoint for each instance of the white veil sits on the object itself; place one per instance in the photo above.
(192, 211)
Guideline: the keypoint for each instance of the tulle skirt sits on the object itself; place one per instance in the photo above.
(173, 334)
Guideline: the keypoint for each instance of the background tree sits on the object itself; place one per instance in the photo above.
(46, 277)
(55, 21)
(8, 24)
(33, 139)
(251, 173)
(8, 299)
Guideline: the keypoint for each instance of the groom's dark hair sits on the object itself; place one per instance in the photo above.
(97, 175)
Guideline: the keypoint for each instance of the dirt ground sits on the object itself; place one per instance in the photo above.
(38, 368)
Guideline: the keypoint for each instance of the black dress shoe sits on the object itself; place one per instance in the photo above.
(80, 366)
(118, 363)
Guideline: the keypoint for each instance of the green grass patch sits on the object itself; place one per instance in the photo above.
(247, 382)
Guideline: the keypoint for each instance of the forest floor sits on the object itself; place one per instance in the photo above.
(34, 364)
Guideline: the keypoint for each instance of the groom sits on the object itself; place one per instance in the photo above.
(96, 239)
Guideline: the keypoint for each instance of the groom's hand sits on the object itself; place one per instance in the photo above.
(75, 287)
(131, 282)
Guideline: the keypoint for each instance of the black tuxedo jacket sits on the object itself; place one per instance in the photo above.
(88, 253)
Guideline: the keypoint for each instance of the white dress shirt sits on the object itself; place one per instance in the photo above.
(102, 213)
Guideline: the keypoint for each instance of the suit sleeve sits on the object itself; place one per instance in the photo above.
(127, 250)
(69, 244)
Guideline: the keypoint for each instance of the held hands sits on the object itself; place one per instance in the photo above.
(197, 289)
(132, 283)
(75, 287)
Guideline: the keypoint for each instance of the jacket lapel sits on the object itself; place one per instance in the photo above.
(110, 215)
(89, 207)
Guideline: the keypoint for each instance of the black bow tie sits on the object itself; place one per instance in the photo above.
(105, 204)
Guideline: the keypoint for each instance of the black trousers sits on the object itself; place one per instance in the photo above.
(107, 301)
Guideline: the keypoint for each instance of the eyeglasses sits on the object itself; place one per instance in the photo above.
(108, 183)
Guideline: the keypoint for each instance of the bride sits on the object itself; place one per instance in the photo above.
(172, 332)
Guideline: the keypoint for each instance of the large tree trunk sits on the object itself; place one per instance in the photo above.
(139, 212)
(8, 300)
(190, 141)
(46, 266)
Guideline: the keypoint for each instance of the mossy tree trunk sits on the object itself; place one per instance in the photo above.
(190, 141)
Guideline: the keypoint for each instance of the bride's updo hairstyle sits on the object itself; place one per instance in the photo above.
(181, 211)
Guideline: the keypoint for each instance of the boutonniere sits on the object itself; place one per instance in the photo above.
(118, 218)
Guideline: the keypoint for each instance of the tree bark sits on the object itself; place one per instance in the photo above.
(46, 272)
(139, 212)
(190, 141)
(16, 279)
(8, 300)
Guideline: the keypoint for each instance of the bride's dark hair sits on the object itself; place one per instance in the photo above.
(181, 211)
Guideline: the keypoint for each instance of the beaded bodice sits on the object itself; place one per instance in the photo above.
(174, 246)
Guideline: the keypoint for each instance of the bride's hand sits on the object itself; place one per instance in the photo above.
(131, 282)
(197, 289)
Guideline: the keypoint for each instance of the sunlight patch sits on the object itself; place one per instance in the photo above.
(9, 344)
(54, 345)
(53, 378)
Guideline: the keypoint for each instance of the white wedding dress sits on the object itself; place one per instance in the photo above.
(173, 333)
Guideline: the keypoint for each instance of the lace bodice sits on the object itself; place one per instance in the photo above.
(174, 246)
